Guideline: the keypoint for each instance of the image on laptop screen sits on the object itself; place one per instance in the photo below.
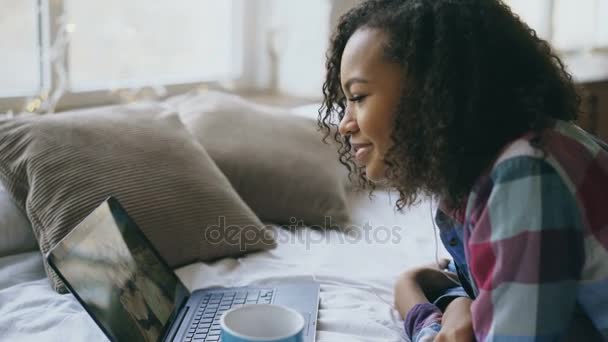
(117, 275)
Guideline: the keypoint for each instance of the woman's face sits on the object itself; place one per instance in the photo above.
(373, 88)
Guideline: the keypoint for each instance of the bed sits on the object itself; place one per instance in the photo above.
(356, 276)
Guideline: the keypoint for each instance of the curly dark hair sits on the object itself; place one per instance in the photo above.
(476, 77)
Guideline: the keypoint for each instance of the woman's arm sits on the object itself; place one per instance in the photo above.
(423, 320)
(417, 285)
(408, 293)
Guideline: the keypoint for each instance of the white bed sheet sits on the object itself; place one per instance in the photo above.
(356, 277)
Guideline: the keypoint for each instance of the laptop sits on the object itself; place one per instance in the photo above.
(131, 293)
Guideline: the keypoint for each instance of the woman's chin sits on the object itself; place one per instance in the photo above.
(375, 174)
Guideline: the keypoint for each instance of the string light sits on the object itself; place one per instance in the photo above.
(33, 105)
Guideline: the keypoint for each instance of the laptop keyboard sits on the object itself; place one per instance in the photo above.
(206, 324)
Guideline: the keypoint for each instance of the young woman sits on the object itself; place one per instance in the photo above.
(460, 101)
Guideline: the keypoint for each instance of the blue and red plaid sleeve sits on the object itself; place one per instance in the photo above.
(423, 322)
(526, 253)
(537, 240)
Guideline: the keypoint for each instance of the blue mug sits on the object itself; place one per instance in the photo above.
(262, 323)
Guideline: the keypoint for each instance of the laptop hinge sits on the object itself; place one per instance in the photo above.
(175, 327)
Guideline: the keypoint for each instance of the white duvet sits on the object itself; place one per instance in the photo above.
(356, 275)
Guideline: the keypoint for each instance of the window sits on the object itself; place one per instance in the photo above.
(577, 25)
(570, 26)
(20, 68)
(74, 48)
(139, 42)
(297, 24)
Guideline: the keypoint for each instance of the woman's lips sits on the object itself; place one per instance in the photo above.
(362, 152)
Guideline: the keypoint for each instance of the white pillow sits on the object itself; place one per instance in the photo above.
(16, 233)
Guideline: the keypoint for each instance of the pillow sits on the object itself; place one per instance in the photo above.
(15, 230)
(275, 160)
(59, 167)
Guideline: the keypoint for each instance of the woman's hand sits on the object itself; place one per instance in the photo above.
(456, 323)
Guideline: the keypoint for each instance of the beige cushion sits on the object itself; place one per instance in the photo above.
(60, 167)
(275, 160)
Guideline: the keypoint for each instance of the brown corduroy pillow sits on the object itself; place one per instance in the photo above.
(275, 160)
(59, 167)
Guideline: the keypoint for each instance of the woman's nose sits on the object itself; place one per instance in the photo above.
(348, 125)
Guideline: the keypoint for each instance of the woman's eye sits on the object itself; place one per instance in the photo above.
(358, 98)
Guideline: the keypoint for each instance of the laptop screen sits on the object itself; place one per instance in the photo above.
(118, 276)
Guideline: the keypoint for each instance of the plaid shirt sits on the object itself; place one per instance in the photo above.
(532, 247)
